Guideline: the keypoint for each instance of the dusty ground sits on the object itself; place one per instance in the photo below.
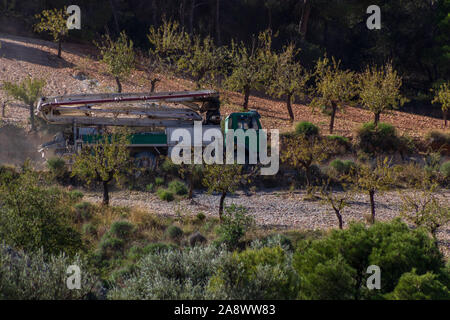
(274, 208)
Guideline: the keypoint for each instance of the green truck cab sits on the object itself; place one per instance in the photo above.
(245, 121)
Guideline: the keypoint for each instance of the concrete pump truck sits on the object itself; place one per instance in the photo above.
(86, 116)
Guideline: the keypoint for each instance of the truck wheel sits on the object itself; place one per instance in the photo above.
(145, 160)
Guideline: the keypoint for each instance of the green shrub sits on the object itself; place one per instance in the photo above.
(83, 211)
(381, 139)
(235, 224)
(171, 275)
(38, 276)
(169, 167)
(306, 128)
(159, 181)
(274, 240)
(150, 187)
(340, 139)
(57, 166)
(174, 232)
(342, 167)
(89, 229)
(330, 279)
(445, 169)
(165, 194)
(122, 229)
(255, 274)
(76, 195)
(200, 217)
(7, 174)
(33, 216)
(392, 246)
(158, 247)
(412, 286)
(178, 187)
(438, 139)
(110, 247)
(409, 175)
(137, 252)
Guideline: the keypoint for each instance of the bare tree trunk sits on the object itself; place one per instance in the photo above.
(445, 118)
(119, 85)
(246, 97)
(219, 40)
(222, 200)
(153, 83)
(333, 115)
(376, 119)
(339, 216)
(305, 18)
(105, 193)
(59, 48)
(372, 205)
(3, 109)
(289, 106)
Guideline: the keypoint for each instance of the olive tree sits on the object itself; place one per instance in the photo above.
(289, 78)
(379, 90)
(334, 87)
(118, 57)
(442, 96)
(223, 179)
(53, 21)
(103, 160)
(28, 91)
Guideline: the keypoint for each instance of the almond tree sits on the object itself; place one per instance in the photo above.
(334, 87)
(379, 90)
(302, 152)
(223, 179)
(425, 210)
(28, 91)
(168, 43)
(337, 201)
(249, 66)
(443, 97)
(289, 78)
(55, 22)
(373, 180)
(107, 158)
(118, 56)
(202, 59)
